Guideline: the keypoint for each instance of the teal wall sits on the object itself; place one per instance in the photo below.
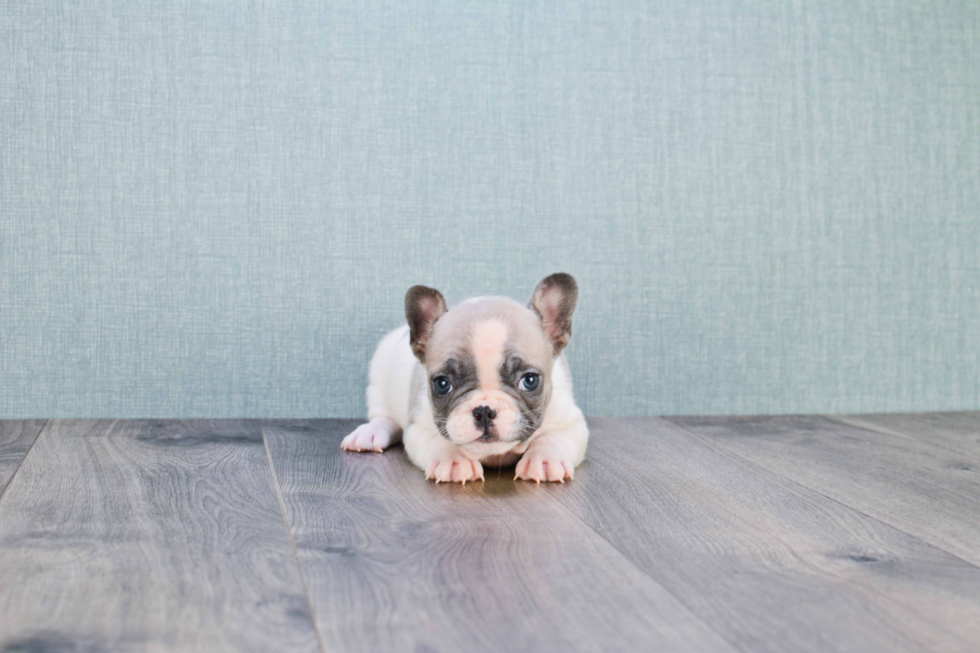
(214, 208)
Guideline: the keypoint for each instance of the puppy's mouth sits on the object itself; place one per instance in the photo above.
(490, 446)
(492, 438)
(489, 435)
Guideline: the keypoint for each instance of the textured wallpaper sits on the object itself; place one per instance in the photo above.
(214, 208)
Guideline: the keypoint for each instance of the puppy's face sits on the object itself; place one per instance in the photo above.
(489, 361)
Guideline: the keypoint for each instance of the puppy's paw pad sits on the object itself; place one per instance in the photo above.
(454, 469)
(546, 465)
(368, 437)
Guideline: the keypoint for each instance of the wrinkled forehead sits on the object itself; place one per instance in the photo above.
(487, 332)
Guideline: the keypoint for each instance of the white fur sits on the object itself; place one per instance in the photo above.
(551, 454)
(487, 344)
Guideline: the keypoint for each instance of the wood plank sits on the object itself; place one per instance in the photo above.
(769, 564)
(924, 490)
(136, 535)
(395, 563)
(958, 432)
(16, 438)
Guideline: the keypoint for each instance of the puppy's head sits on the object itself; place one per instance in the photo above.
(489, 360)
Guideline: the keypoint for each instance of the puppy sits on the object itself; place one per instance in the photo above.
(484, 383)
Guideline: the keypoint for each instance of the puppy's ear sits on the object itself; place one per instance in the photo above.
(554, 301)
(423, 306)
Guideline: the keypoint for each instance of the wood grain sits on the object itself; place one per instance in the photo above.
(140, 535)
(395, 563)
(693, 534)
(16, 439)
(769, 564)
(922, 489)
(959, 432)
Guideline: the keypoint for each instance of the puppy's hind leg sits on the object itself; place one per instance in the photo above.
(387, 395)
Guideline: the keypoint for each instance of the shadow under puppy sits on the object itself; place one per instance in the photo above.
(484, 383)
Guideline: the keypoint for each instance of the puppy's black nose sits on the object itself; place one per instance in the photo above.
(484, 416)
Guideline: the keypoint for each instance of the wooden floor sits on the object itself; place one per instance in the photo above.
(819, 533)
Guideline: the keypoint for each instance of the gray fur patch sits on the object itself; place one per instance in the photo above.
(460, 369)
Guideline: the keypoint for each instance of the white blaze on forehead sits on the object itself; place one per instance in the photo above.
(487, 343)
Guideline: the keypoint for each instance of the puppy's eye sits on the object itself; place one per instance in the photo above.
(441, 385)
(530, 382)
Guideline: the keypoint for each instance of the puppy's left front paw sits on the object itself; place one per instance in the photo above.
(544, 464)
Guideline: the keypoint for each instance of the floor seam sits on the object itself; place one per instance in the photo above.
(858, 423)
(44, 427)
(292, 542)
(645, 573)
(919, 538)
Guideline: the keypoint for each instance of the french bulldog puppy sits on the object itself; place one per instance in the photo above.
(484, 383)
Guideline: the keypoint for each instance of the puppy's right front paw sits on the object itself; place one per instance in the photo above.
(454, 468)
(373, 436)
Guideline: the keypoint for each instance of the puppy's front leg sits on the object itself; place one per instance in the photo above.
(554, 455)
(377, 435)
(440, 459)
